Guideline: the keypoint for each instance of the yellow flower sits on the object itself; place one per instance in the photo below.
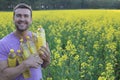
(58, 41)
(49, 78)
(76, 57)
(112, 46)
(101, 78)
(103, 73)
(64, 57)
(91, 58)
(87, 53)
(100, 65)
(96, 45)
(57, 55)
(84, 64)
(82, 76)
(109, 66)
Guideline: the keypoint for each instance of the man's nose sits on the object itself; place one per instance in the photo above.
(22, 18)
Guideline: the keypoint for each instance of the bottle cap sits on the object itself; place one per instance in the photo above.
(21, 40)
(39, 28)
(12, 50)
(18, 51)
(28, 37)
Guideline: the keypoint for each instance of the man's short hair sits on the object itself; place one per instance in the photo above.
(23, 6)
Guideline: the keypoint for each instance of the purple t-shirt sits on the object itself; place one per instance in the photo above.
(12, 42)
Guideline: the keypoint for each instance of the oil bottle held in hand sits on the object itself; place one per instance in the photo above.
(12, 58)
(41, 38)
(19, 57)
(25, 49)
(26, 54)
(31, 45)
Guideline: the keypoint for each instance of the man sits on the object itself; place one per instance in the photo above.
(22, 20)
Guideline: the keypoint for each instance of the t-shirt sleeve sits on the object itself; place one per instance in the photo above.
(3, 53)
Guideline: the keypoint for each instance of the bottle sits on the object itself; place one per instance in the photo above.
(25, 49)
(19, 57)
(34, 38)
(41, 39)
(12, 58)
(31, 45)
(26, 54)
(26, 73)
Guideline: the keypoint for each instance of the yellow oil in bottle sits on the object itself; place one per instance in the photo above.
(12, 58)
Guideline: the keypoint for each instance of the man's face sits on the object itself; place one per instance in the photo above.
(22, 19)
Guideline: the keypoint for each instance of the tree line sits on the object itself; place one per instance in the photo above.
(62, 4)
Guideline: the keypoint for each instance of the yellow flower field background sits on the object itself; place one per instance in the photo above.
(84, 44)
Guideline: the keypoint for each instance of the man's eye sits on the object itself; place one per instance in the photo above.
(18, 15)
(26, 16)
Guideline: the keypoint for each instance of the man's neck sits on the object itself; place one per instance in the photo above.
(21, 35)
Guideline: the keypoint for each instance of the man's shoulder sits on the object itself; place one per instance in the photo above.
(4, 47)
(5, 44)
(6, 38)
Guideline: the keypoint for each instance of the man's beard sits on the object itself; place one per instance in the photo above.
(21, 30)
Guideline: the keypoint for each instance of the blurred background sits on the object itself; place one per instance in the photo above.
(83, 36)
(62, 4)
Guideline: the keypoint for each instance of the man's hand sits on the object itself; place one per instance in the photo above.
(10, 73)
(44, 53)
(33, 61)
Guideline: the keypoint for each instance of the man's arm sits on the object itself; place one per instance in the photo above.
(7, 73)
(10, 73)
